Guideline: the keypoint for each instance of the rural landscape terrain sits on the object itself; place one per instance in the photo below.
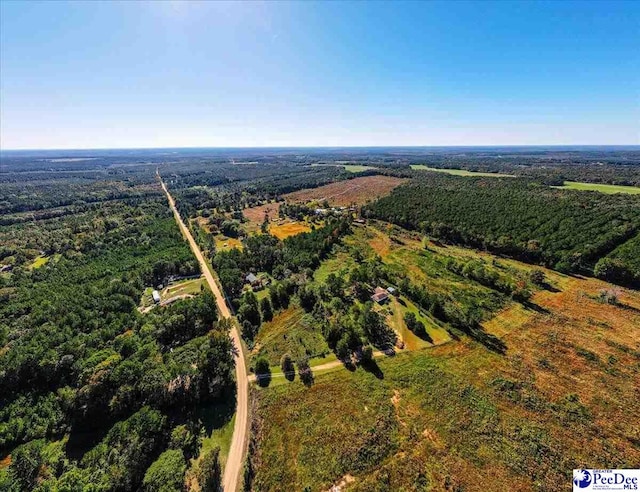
(447, 319)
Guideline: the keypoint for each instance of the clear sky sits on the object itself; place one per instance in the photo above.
(171, 73)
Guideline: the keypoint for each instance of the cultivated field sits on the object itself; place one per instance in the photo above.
(357, 191)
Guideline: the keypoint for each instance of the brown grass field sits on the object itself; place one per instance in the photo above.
(458, 416)
(357, 191)
(282, 231)
(256, 214)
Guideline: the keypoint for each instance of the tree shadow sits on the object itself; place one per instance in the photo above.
(307, 378)
(535, 307)
(216, 415)
(264, 379)
(372, 367)
(548, 287)
(489, 340)
(82, 440)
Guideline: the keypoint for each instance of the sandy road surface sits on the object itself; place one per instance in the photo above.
(233, 469)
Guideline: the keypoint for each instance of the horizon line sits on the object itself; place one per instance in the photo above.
(248, 147)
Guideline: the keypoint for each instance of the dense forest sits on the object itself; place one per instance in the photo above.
(94, 393)
(564, 230)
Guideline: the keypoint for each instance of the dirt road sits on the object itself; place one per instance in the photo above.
(233, 468)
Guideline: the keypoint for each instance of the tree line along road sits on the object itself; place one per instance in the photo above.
(235, 459)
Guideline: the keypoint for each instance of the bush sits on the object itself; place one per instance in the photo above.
(209, 473)
(286, 364)
(166, 474)
(263, 372)
(537, 277)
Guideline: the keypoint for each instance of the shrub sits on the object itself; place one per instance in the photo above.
(166, 474)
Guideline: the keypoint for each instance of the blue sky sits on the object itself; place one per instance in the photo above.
(171, 73)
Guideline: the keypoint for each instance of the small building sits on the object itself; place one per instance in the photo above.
(156, 296)
(391, 290)
(321, 211)
(380, 295)
(252, 280)
(6, 268)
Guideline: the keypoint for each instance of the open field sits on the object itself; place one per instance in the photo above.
(256, 215)
(459, 416)
(352, 168)
(292, 332)
(288, 228)
(192, 286)
(357, 191)
(224, 242)
(602, 188)
(459, 172)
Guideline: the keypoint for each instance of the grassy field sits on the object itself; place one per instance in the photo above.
(460, 417)
(289, 228)
(192, 286)
(291, 331)
(223, 242)
(460, 172)
(395, 311)
(354, 168)
(602, 188)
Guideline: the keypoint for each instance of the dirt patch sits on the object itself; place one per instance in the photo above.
(344, 481)
(256, 214)
(356, 191)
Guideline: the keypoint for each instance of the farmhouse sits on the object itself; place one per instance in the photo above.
(380, 295)
(156, 296)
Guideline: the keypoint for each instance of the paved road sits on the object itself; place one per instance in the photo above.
(235, 460)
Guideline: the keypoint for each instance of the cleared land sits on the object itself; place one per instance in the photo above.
(283, 231)
(256, 214)
(357, 191)
(461, 417)
(602, 188)
(459, 172)
(224, 242)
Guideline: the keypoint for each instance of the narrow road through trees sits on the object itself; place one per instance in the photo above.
(235, 459)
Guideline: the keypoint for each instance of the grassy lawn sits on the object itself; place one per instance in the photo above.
(460, 172)
(395, 311)
(602, 188)
(192, 286)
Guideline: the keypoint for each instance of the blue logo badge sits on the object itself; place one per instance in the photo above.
(582, 478)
